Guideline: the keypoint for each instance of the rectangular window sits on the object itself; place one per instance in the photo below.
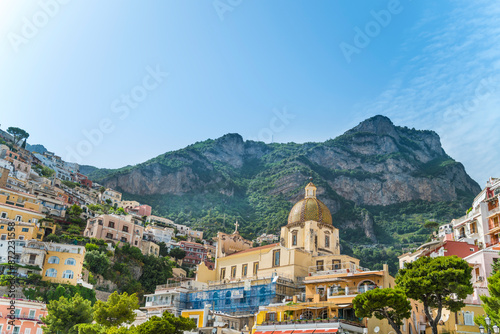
(244, 270)
(473, 228)
(4, 214)
(111, 225)
(255, 268)
(18, 218)
(25, 229)
(223, 273)
(294, 239)
(469, 318)
(233, 271)
(319, 265)
(109, 235)
(32, 314)
(327, 241)
(336, 264)
(125, 228)
(276, 258)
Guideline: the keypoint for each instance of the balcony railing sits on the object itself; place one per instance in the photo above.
(336, 268)
(494, 211)
(333, 292)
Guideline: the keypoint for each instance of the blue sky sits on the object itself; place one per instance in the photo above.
(118, 82)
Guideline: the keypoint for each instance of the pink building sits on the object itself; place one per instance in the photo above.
(116, 228)
(141, 210)
(26, 316)
(481, 263)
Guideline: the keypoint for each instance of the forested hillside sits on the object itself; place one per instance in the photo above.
(381, 182)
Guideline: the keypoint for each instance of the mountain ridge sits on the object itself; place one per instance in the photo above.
(370, 170)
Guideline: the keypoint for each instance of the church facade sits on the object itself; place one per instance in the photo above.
(308, 243)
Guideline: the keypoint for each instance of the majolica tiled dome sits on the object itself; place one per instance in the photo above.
(310, 208)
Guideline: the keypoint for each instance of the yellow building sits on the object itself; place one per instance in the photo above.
(22, 230)
(19, 206)
(63, 263)
(309, 242)
(327, 304)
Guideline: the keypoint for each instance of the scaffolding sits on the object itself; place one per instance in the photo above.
(243, 297)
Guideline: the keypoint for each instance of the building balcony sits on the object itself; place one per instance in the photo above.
(494, 212)
(342, 292)
(325, 326)
(337, 268)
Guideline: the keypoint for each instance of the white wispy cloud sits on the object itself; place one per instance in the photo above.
(451, 84)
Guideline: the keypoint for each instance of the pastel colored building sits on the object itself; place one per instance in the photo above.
(114, 196)
(22, 230)
(19, 206)
(27, 316)
(159, 233)
(481, 224)
(195, 253)
(150, 248)
(162, 221)
(116, 228)
(126, 205)
(63, 263)
(327, 306)
(141, 210)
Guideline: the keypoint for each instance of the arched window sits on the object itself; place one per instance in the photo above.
(70, 262)
(327, 241)
(51, 272)
(216, 299)
(68, 274)
(366, 285)
(228, 298)
(53, 260)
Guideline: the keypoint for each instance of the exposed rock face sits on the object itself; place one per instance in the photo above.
(375, 163)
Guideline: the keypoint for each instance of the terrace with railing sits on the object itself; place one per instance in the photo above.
(335, 268)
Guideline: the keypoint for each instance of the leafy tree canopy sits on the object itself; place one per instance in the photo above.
(65, 314)
(168, 324)
(97, 262)
(440, 282)
(18, 134)
(177, 253)
(118, 309)
(491, 305)
(390, 304)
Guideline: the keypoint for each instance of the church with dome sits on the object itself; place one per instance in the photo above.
(308, 243)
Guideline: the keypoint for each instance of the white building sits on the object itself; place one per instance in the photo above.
(475, 227)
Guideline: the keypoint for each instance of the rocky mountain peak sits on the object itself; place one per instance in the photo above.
(379, 125)
(230, 138)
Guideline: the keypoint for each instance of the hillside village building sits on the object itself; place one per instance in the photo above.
(27, 316)
(114, 196)
(116, 229)
(63, 263)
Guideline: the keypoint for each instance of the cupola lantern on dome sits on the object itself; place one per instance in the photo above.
(310, 208)
(310, 190)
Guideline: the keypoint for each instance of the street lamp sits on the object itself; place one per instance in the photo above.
(487, 320)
